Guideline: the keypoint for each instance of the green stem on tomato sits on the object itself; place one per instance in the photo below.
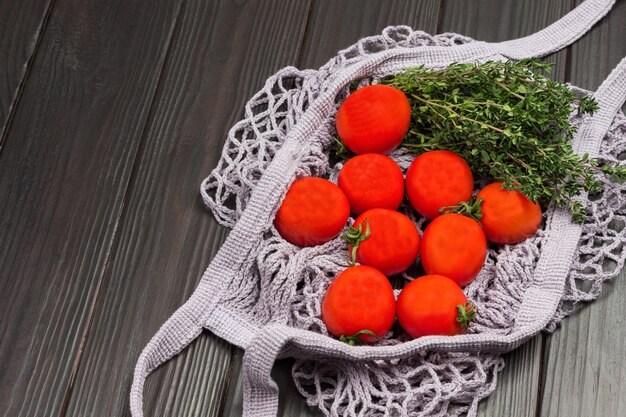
(354, 236)
(355, 339)
(471, 209)
(466, 313)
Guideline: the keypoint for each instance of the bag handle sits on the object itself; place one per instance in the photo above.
(558, 35)
(541, 301)
(173, 336)
(260, 392)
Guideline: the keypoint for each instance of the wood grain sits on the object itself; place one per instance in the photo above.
(63, 176)
(496, 20)
(585, 373)
(220, 55)
(123, 109)
(21, 26)
(335, 25)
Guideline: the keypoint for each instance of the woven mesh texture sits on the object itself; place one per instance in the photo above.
(286, 284)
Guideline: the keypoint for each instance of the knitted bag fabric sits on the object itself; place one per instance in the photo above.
(264, 294)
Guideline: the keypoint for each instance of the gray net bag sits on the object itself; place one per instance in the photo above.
(264, 294)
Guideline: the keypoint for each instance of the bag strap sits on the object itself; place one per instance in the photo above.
(186, 324)
(173, 336)
(260, 392)
(610, 96)
(541, 301)
(559, 34)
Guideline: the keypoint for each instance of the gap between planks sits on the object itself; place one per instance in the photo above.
(116, 229)
(4, 133)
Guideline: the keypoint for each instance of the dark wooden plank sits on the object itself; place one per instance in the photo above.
(496, 20)
(21, 25)
(221, 53)
(493, 20)
(335, 25)
(598, 52)
(585, 372)
(63, 177)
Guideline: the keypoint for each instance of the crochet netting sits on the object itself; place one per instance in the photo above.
(285, 284)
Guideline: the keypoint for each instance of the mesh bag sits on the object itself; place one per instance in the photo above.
(264, 294)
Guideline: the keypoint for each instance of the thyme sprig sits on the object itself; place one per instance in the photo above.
(509, 122)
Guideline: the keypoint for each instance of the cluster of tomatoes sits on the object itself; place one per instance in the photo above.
(359, 305)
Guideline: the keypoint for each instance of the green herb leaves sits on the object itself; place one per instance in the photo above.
(509, 122)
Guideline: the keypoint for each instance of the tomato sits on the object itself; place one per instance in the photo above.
(429, 305)
(438, 179)
(372, 181)
(313, 212)
(374, 119)
(455, 246)
(359, 298)
(508, 216)
(393, 243)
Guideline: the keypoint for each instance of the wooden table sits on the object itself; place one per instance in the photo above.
(112, 112)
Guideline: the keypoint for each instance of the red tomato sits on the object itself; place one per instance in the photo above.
(374, 119)
(393, 243)
(455, 246)
(508, 216)
(359, 298)
(372, 181)
(313, 212)
(438, 179)
(429, 305)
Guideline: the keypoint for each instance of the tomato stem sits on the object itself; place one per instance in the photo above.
(471, 209)
(355, 339)
(342, 150)
(466, 313)
(354, 236)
